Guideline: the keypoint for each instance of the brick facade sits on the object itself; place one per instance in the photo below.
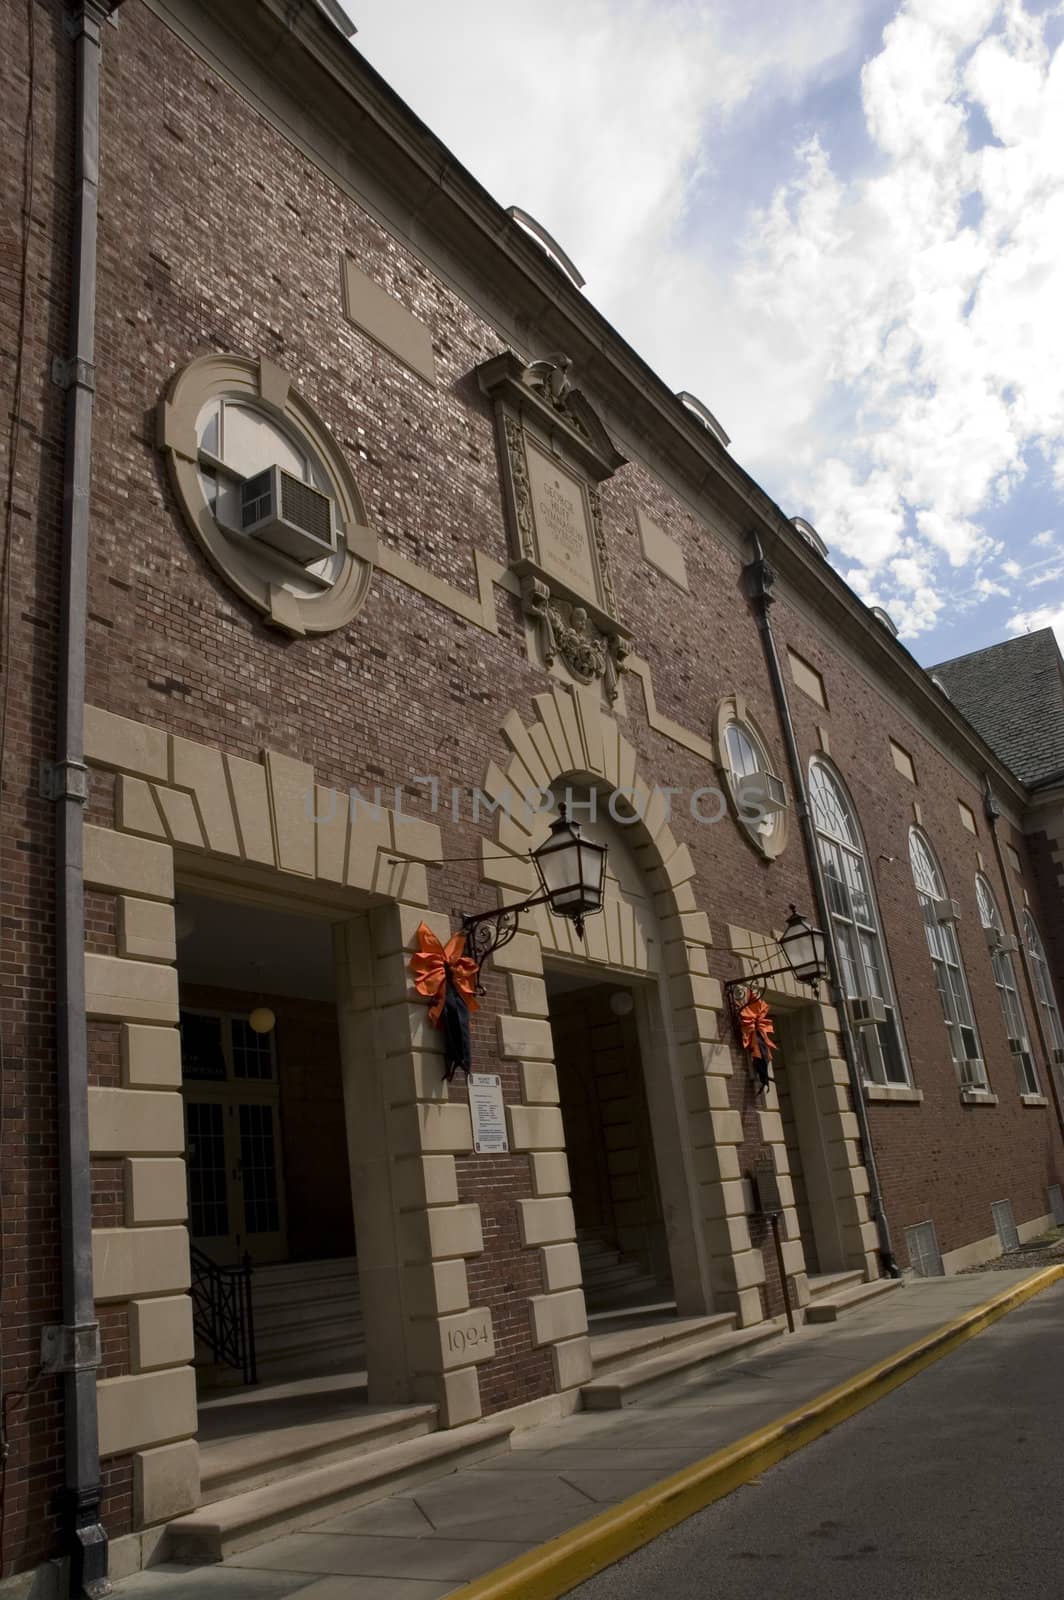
(220, 232)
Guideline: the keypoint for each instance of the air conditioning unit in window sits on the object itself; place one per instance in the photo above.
(947, 910)
(761, 791)
(287, 514)
(1018, 1047)
(971, 1073)
(1058, 1057)
(993, 939)
(866, 1011)
(1008, 944)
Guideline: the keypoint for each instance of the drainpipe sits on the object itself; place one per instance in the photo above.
(991, 811)
(73, 1349)
(761, 577)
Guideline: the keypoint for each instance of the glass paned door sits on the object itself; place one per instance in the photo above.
(233, 1140)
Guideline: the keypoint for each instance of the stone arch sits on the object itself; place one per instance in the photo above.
(572, 738)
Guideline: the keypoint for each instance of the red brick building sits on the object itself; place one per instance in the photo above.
(355, 542)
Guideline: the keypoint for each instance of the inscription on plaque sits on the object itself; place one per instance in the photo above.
(563, 530)
(488, 1113)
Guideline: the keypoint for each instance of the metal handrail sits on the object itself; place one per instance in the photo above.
(223, 1316)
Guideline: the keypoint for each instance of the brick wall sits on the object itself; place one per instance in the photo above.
(218, 234)
(34, 205)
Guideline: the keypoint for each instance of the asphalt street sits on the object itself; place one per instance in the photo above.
(951, 1488)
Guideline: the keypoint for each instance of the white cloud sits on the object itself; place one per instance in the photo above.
(1050, 616)
(884, 345)
(1011, 569)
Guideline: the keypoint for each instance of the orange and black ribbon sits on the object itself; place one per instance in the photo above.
(758, 1036)
(448, 978)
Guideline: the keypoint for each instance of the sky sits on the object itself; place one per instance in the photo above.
(840, 223)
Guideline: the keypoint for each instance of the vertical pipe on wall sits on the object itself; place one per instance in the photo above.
(83, 1494)
(760, 578)
(991, 811)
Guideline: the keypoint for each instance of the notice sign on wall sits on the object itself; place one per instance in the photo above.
(488, 1113)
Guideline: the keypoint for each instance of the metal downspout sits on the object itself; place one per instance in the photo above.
(76, 1344)
(760, 578)
(992, 811)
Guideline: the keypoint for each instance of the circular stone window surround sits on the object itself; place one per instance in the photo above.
(733, 708)
(263, 385)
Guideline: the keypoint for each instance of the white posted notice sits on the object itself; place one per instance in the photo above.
(488, 1113)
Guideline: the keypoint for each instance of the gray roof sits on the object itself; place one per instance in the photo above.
(1013, 695)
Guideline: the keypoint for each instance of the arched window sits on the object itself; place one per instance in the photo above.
(865, 972)
(759, 799)
(1043, 982)
(939, 915)
(1005, 979)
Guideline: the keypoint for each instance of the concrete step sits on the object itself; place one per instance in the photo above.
(606, 1277)
(273, 1319)
(269, 1302)
(630, 1340)
(645, 1378)
(305, 1271)
(213, 1532)
(277, 1296)
(830, 1309)
(832, 1283)
(308, 1335)
(632, 1294)
(328, 1360)
(233, 1464)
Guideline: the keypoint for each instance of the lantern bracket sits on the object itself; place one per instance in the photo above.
(488, 931)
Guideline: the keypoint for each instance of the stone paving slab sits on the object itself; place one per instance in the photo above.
(425, 1542)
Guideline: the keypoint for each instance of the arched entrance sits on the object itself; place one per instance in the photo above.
(679, 1208)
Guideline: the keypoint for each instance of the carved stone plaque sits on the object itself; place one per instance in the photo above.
(563, 523)
(554, 453)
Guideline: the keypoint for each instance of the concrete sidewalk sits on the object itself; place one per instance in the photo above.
(428, 1541)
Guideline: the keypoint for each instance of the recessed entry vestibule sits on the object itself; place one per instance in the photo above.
(266, 1150)
(599, 1025)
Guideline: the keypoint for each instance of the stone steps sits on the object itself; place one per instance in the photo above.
(653, 1375)
(613, 1348)
(234, 1464)
(830, 1283)
(830, 1306)
(213, 1532)
(308, 1318)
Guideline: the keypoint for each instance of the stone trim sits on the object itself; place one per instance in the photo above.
(893, 1094)
(230, 376)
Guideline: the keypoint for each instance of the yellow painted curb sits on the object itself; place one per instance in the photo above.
(555, 1568)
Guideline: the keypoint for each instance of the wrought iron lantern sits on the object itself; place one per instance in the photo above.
(572, 876)
(804, 949)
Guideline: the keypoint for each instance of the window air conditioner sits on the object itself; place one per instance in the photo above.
(1018, 1047)
(993, 939)
(287, 514)
(971, 1072)
(947, 910)
(761, 791)
(1058, 1056)
(1009, 945)
(866, 1011)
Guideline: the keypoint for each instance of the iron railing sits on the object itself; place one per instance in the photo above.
(223, 1318)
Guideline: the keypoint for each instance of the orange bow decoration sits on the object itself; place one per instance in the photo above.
(433, 963)
(757, 1028)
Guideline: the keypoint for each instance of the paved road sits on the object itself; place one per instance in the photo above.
(952, 1488)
